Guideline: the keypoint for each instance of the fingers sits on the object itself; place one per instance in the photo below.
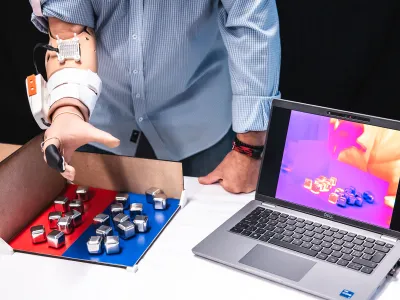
(69, 172)
(211, 178)
(102, 137)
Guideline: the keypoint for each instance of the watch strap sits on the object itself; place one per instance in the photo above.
(246, 149)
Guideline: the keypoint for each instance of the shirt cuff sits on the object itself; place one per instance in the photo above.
(251, 113)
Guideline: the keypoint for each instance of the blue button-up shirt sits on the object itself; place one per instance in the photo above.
(181, 71)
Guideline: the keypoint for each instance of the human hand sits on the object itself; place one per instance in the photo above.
(237, 173)
(68, 132)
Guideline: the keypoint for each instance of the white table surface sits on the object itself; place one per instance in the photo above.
(168, 271)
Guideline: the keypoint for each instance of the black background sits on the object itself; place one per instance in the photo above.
(342, 54)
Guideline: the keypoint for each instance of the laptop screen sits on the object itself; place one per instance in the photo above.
(332, 165)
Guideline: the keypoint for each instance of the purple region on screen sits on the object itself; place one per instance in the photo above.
(306, 155)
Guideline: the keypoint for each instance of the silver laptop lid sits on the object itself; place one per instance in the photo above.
(334, 164)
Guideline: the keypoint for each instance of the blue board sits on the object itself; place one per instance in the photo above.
(133, 249)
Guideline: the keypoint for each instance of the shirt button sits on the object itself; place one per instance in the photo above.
(140, 119)
(134, 36)
(137, 95)
(135, 71)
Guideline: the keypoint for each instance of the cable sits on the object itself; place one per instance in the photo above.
(45, 46)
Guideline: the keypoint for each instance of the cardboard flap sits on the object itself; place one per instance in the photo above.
(27, 186)
(121, 173)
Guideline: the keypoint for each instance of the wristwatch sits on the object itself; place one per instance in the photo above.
(246, 149)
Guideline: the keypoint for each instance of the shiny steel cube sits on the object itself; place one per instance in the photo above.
(111, 244)
(352, 190)
(307, 183)
(135, 209)
(104, 231)
(61, 204)
(82, 193)
(95, 245)
(316, 188)
(76, 217)
(141, 223)
(76, 205)
(333, 198)
(65, 225)
(56, 239)
(339, 190)
(351, 200)
(38, 234)
(160, 201)
(359, 201)
(368, 197)
(121, 217)
(342, 201)
(150, 194)
(126, 230)
(53, 218)
(101, 219)
(122, 198)
(116, 209)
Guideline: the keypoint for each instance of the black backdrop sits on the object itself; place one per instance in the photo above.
(344, 54)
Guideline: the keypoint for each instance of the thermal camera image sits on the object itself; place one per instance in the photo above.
(342, 167)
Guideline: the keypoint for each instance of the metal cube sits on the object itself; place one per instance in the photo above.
(160, 201)
(111, 244)
(150, 194)
(141, 223)
(126, 230)
(76, 217)
(82, 193)
(359, 201)
(61, 204)
(95, 245)
(368, 197)
(116, 208)
(341, 201)
(65, 225)
(104, 231)
(53, 218)
(76, 205)
(121, 217)
(101, 219)
(38, 234)
(56, 239)
(122, 198)
(135, 209)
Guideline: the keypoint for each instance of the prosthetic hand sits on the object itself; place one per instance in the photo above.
(64, 104)
(68, 132)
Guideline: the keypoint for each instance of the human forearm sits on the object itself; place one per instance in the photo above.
(254, 138)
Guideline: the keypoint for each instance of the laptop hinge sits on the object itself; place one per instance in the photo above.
(268, 205)
(388, 238)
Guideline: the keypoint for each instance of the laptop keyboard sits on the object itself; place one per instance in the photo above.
(336, 246)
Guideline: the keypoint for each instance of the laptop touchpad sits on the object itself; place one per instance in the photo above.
(277, 262)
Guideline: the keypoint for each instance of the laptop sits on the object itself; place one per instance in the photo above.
(325, 219)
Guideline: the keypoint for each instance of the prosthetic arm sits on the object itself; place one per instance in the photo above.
(71, 70)
(73, 84)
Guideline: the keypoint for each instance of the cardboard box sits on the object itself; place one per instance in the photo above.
(28, 186)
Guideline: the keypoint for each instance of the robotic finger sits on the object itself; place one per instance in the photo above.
(54, 158)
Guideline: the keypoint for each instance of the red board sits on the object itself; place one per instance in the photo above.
(100, 200)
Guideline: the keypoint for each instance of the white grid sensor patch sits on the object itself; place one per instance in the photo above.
(68, 49)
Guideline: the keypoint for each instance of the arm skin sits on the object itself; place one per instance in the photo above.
(87, 42)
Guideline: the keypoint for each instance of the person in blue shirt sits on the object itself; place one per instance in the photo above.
(187, 78)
